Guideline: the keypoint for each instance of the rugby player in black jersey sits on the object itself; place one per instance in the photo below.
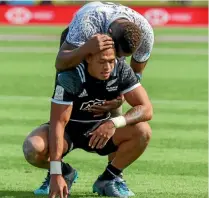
(73, 125)
(131, 33)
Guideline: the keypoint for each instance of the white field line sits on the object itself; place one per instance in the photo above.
(182, 38)
(155, 101)
(37, 50)
(52, 50)
(22, 37)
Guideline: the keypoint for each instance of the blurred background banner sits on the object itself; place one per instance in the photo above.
(60, 15)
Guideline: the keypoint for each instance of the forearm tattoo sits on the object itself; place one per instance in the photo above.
(135, 115)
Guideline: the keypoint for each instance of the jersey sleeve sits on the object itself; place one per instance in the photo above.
(66, 87)
(82, 28)
(144, 50)
(128, 79)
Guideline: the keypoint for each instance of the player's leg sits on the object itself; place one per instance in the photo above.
(114, 113)
(131, 141)
(36, 152)
(45, 186)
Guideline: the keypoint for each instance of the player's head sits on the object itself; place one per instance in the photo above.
(126, 36)
(100, 65)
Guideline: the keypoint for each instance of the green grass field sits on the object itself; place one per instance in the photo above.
(175, 163)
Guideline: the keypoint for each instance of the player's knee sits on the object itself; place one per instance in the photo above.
(143, 133)
(31, 150)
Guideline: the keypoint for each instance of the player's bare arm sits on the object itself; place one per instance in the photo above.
(70, 56)
(141, 111)
(109, 105)
(138, 67)
(60, 115)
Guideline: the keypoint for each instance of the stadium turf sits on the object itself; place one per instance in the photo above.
(175, 163)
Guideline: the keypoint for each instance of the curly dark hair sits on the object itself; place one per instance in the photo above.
(128, 37)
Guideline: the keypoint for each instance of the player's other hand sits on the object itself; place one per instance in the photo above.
(98, 42)
(101, 135)
(107, 106)
(58, 187)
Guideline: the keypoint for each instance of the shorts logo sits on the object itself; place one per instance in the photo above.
(87, 105)
(59, 93)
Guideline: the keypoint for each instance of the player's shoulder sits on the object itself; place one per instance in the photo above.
(121, 64)
(124, 70)
(73, 79)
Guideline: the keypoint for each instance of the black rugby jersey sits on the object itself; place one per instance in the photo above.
(76, 87)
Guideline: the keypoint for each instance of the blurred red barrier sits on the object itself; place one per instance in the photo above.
(60, 15)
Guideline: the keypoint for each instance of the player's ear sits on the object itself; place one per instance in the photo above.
(110, 31)
(88, 58)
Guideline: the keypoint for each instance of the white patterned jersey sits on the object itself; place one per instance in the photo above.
(96, 17)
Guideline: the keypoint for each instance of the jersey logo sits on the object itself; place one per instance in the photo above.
(87, 105)
(59, 93)
(109, 86)
(111, 82)
(83, 94)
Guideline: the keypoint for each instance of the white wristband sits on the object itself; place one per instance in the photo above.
(55, 168)
(119, 121)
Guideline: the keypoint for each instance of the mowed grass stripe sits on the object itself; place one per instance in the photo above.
(181, 118)
(189, 90)
(179, 126)
(163, 142)
(172, 133)
(34, 43)
(179, 143)
(182, 45)
(33, 112)
(29, 106)
(161, 124)
(56, 30)
(144, 185)
(181, 31)
(20, 122)
(151, 154)
(45, 65)
(25, 113)
(157, 102)
(181, 110)
(51, 50)
(55, 44)
(147, 167)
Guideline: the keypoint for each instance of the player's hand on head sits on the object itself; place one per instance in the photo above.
(99, 110)
(58, 187)
(101, 135)
(99, 42)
